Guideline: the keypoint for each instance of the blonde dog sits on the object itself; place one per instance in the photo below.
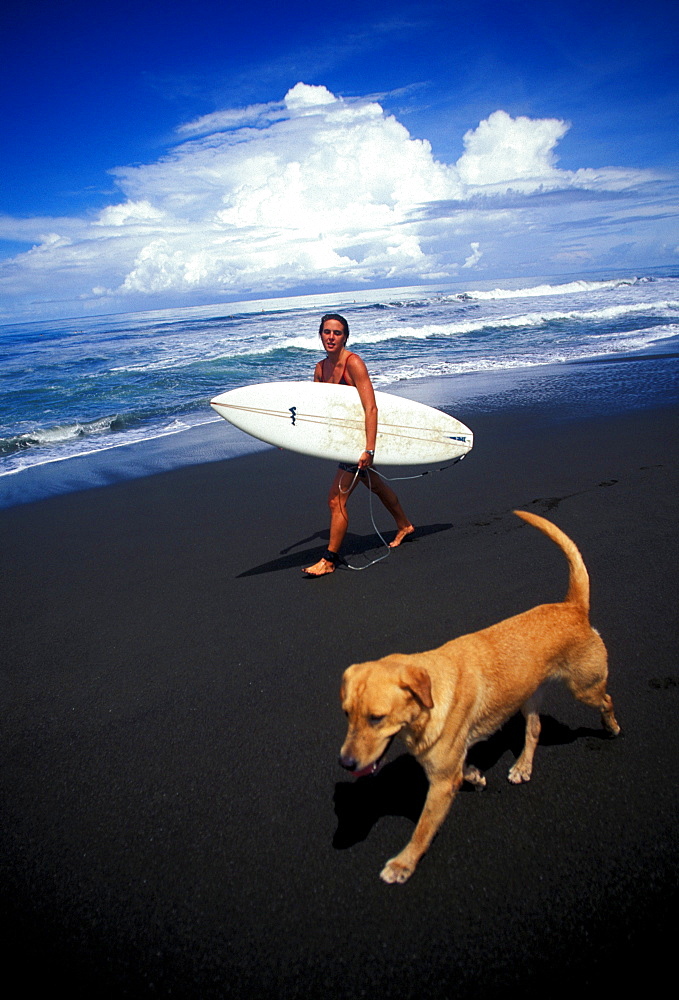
(443, 701)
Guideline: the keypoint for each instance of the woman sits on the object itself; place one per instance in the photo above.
(341, 367)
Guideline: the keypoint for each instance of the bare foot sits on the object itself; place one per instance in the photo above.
(400, 535)
(320, 568)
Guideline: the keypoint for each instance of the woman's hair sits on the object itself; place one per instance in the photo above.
(340, 319)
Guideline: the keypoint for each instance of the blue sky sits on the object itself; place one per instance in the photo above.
(150, 155)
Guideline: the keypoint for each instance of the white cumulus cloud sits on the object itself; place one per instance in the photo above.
(511, 151)
(311, 191)
(475, 255)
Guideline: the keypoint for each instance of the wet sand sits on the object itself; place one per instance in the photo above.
(175, 822)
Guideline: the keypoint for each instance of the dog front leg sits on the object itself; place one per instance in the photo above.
(442, 791)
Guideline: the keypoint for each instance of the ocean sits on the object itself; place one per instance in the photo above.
(128, 389)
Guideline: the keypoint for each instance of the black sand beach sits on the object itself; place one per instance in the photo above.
(175, 822)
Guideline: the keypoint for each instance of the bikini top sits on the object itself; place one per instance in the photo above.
(342, 380)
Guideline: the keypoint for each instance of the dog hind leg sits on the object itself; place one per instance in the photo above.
(587, 683)
(523, 768)
(597, 697)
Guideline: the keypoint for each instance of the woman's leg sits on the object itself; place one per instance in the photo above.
(342, 487)
(391, 502)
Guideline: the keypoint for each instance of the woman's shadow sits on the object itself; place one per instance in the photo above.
(355, 546)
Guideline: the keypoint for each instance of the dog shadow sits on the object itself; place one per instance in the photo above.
(354, 545)
(400, 787)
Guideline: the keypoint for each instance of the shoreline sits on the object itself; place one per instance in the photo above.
(576, 388)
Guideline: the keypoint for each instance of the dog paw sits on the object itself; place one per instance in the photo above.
(519, 773)
(473, 776)
(396, 872)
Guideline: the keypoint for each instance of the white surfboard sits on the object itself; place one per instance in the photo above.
(327, 421)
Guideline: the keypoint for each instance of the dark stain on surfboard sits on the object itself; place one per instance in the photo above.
(293, 411)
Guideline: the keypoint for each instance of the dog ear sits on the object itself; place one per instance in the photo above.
(343, 686)
(416, 680)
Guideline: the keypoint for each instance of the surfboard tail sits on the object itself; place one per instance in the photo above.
(578, 580)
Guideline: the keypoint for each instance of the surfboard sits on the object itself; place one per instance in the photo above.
(327, 421)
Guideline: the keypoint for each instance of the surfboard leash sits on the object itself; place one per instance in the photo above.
(357, 569)
(427, 472)
(390, 479)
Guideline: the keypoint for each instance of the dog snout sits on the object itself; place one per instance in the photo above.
(348, 762)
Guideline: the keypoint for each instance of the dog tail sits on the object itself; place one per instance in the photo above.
(578, 580)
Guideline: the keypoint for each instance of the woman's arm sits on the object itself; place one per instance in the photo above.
(359, 376)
